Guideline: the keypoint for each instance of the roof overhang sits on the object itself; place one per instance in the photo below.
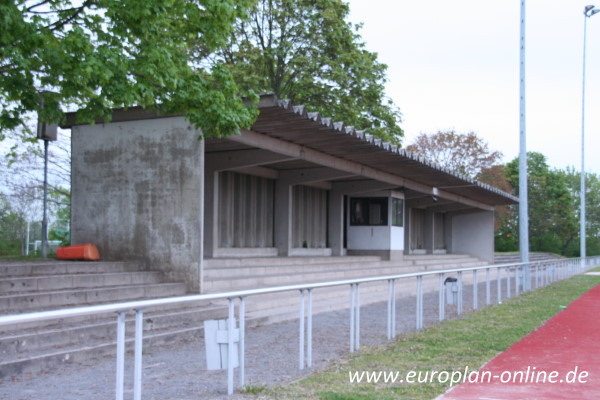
(291, 139)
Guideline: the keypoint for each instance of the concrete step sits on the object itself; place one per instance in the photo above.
(445, 261)
(37, 301)
(36, 352)
(260, 270)
(22, 284)
(280, 261)
(222, 280)
(14, 269)
(293, 277)
(434, 257)
(279, 307)
(501, 258)
(62, 335)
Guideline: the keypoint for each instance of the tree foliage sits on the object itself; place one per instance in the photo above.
(95, 55)
(13, 229)
(592, 201)
(307, 51)
(552, 217)
(465, 153)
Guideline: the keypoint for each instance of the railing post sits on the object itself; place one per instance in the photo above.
(475, 290)
(488, 294)
(357, 325)
(120, 355)
(309, 331)
(393, 309)
(459, 308)
(301, 333)
(352, 316)
(499, 285)
(389, 310)
(242, 355)
(508, 290)
(230, 343)
(137, 371)
(419, 311)
(441, 298)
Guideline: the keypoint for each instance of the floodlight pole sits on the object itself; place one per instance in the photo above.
(588, 12)
(523, 199)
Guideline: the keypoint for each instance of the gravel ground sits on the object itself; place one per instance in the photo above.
(177, 371)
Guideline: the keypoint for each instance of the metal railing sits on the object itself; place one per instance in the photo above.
(509, 278)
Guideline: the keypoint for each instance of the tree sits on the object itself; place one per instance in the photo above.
(505, 217)
(95, 55)
(465, 153)
(307, 51)
(13, 229)
(23, 164)
(552, 219)
(592, 200)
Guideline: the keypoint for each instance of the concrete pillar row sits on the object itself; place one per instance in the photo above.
(211, 210)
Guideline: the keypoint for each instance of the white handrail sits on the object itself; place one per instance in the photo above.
(144, 304)
(546, 271)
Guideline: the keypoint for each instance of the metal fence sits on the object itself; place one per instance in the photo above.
(509, 280)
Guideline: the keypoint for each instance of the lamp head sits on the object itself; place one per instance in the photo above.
(590, 10)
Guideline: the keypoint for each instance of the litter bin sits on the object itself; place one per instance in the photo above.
(451, 285)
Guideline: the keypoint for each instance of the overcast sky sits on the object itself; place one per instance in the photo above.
(455, 65)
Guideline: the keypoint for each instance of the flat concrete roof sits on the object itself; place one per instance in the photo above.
(281, 120)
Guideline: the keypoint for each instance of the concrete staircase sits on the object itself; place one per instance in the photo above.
(30, 287)
(506, 258)
(237, 274)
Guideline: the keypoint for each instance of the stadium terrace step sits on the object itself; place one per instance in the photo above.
(220, 276)
(13, 268)
(35, 347)
(504, 258)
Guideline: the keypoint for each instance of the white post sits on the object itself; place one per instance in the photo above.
(120, 356)
(523, 198)
(137, 373)
(587, 13)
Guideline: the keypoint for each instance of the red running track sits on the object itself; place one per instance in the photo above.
(568, 344)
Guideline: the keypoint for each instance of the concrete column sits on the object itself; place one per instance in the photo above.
(283, 218)
(336, 223)
(429, 232)
(211, 212)
(201, 218)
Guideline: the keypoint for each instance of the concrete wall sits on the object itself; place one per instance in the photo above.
(473, 234)
(137, 191)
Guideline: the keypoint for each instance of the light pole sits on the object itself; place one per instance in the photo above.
(46, 132)
(588, 12)
(523, 201)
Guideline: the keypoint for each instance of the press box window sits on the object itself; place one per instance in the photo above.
(397, 212)
(369, 211)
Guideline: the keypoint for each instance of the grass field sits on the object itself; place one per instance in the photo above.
(469, 341)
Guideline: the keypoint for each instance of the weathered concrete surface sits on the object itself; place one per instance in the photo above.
(137, 194)
(473, 234)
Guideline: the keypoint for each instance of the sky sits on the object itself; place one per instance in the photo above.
(455, 65)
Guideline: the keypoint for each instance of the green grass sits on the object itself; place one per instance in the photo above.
(453, 345)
